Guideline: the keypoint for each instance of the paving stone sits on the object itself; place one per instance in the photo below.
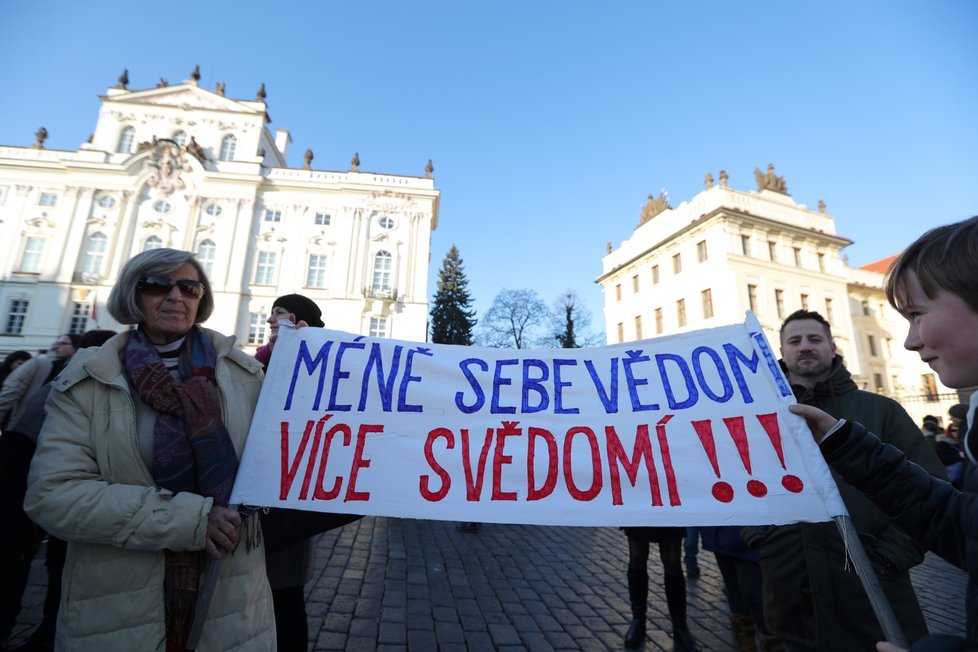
(403, 585)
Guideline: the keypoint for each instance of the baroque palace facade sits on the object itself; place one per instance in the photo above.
(725, 251)
(184, 167)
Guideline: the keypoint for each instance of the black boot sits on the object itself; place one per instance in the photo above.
(638, 595)
(682, 639)
(744, 632)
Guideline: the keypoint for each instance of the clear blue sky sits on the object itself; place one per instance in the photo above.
(550, 122)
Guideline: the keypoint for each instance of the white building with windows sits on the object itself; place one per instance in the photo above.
(184, 167)
(725, 251)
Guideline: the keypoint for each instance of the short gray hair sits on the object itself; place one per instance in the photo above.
(122, 304)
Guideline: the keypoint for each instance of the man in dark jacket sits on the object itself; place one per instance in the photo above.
(813, 598)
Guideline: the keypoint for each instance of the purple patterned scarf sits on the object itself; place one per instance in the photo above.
(192, 451)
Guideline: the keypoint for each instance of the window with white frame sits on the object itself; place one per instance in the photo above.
(707, 299)
(378, 327)
(265, 269)
(752, 296)
(213, 209)
(228, 146)
(30, 262)
(323, 219)
(94, 255)
(126, 139)
(316, 273)
(205, 256)
(273, 215)
(180, 138)
(387, 222)
(257, 328)
(106, 201)
(48, 200)
(152, 242)
(701, 251)
(382, 270)
(79, 318)
(16, 316)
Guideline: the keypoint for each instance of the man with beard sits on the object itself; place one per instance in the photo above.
(813, 599)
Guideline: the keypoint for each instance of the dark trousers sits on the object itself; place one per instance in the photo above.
(743, 585)
(20, 538)
(291, 626)
(670, 552)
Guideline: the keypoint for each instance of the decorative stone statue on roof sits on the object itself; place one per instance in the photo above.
(723, 178)
(307, 157)
(770, 181)
(261, 94)
(355, 163)
(429, 170)
(123, 79)
(195, 150)
(195, 73)
(40, 136)
(162, 83)
(654, 206)
(708, 181)
(220, 89)
(821, 206)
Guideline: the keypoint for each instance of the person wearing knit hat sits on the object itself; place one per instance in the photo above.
(304, 309)
(300, 310)
(290, 567)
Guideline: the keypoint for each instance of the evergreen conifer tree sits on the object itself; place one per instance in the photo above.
(452, 318)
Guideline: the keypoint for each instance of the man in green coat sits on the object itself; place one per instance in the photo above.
(813, 598)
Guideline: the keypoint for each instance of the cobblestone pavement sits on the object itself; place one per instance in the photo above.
(398, 584)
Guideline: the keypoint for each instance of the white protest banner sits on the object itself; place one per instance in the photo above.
(690, 429)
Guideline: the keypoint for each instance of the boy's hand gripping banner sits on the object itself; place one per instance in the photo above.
(690, 429)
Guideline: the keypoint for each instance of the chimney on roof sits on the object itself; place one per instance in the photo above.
(282, 140)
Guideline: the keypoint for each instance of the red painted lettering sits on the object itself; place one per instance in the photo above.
(532, 493)
(319, 493)
(360, 463)
(473, 487)
(596, 481)
(641, 452)
(499, 458)
(424, 484)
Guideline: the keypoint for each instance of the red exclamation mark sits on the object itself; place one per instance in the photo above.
(660, 434)
(722, 491)
(770, 424)
(738, 432)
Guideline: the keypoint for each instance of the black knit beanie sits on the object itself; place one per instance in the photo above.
(302, 307)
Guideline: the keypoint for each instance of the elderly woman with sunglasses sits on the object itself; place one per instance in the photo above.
(134, 467)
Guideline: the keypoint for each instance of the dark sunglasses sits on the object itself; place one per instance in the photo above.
(160, 285)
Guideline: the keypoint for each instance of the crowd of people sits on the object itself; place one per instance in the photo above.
(123, 448)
